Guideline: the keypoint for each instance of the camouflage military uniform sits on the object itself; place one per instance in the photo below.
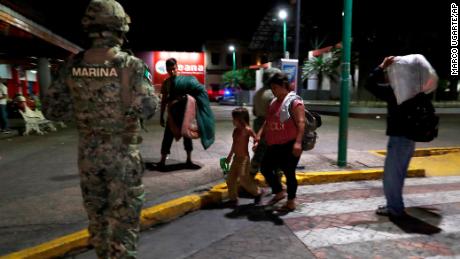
(107, 91)
(261, 100)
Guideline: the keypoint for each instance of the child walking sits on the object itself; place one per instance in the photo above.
(239, 168)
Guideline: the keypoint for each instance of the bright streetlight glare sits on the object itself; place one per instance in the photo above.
(231, 48)
(282, 14)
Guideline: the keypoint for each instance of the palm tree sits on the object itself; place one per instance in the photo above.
(322, 66)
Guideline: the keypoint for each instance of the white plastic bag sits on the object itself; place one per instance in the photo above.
(410, 75)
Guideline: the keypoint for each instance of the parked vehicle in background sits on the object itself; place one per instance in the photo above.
(217, 93)
(229, 97)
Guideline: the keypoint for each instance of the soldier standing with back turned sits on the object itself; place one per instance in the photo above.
(107, 91)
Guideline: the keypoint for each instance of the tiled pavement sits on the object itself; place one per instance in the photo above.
(338, 221)
(331, 221)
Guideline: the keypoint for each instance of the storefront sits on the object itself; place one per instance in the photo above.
(188, 64)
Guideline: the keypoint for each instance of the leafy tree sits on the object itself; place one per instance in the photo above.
(245, 78)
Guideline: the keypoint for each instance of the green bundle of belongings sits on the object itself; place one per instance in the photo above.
(205, 118)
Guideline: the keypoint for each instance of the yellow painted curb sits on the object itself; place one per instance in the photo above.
(443, 161)
(424, 152)
(354, 175)
(341, 176)
(170, 210)
(442, 165)
(55, 248)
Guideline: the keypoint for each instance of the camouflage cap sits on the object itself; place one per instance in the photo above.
(105, 15)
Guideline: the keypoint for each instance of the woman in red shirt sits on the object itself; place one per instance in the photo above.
(283, 130)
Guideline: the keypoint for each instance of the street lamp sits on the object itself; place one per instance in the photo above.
(232, 49)
(282, 14)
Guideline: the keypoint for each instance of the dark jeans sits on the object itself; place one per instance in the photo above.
(399, 153)
(280, 156)
(177, 115)
(261, 147)
(168, 139)
(3, 117)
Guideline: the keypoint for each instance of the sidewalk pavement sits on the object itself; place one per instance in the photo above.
(334, 220)
(338, 220)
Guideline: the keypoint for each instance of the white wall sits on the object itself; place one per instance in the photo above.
(31, 75)
(5, 71)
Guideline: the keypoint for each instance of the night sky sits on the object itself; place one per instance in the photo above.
(379, 27)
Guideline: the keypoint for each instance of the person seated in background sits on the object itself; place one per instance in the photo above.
(21, 103)
(34, 119)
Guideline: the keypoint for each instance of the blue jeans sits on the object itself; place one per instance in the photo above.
(3, 117)
(399, 152)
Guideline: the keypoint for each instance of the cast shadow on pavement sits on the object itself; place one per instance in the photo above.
(255, 213)
(419, 220)
(411, 224)
(250, 211)
(171, 167)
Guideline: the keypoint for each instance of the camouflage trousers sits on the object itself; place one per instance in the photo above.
(113, 195)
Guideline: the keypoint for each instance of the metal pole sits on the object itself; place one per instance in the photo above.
(344, 93)
(297, 30)
(234, 76)
(234, 69)
(297, 47)
(284, 38)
